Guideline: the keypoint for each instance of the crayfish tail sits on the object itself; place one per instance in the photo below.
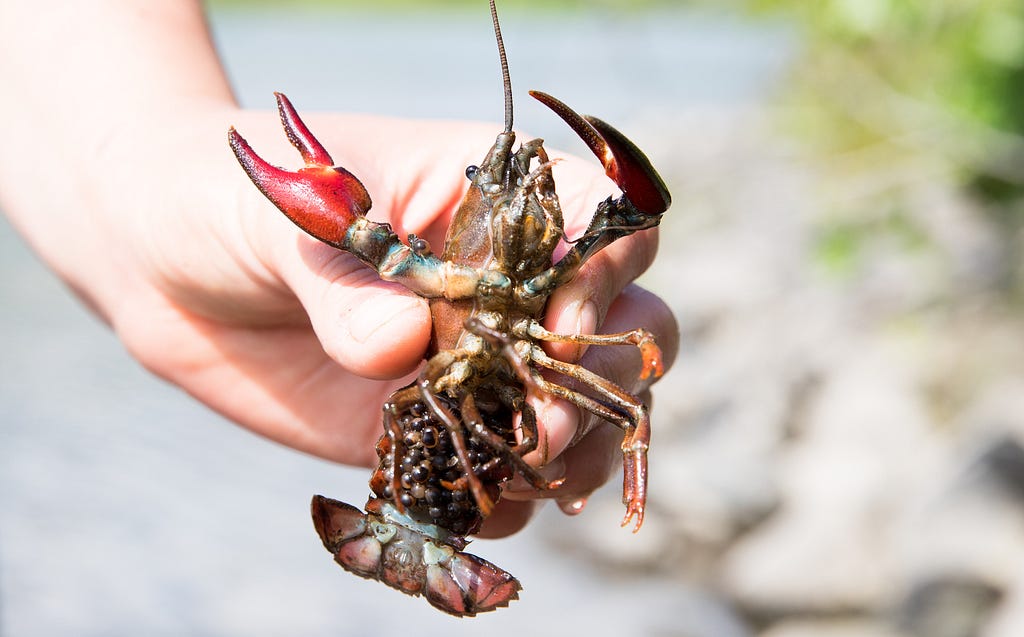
(386, 545)
(465, 585)
(343, 530)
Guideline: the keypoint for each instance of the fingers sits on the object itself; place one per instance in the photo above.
(508, 517)
(592, 446)
(587, 465)
(275, 381)
(581, 306)
(635, 307)
(370, 327)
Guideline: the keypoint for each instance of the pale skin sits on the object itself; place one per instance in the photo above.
(114, 166)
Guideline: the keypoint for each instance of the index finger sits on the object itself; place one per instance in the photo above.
(581, 306)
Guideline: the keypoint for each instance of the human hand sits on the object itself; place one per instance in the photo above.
(211, 288)
(329, 284)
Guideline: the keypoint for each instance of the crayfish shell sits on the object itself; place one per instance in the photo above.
(417, 559)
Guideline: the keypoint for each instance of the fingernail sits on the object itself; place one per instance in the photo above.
(586, 318)
(368, 318)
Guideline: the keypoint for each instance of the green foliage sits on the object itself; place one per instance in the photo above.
(841, 245)
(893, 93)
(964, 58)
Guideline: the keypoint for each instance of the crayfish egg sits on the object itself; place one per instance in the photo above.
(471, 171)
(408, 464)
(429, 437)
(420, 473)
(406, 480)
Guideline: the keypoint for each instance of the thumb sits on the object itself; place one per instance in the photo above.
(371, 327)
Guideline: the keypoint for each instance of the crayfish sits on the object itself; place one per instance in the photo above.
(461, 430)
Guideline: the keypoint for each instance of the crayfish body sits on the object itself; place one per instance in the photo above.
(461, 430)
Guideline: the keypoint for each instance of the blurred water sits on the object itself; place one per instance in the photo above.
(126, 508)
(420, 64)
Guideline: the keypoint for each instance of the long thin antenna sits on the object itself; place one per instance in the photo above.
(506, 80)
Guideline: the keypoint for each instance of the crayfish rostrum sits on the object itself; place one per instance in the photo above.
(456, 434)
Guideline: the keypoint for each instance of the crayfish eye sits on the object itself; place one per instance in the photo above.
(471, 171)
(419, 246)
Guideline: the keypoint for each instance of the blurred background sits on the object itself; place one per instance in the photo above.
(839, 450)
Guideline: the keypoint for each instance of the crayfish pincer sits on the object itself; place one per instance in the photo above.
(459, 432)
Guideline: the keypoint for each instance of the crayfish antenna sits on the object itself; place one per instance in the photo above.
(506, 79)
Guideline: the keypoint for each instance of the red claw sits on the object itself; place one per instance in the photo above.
(322, 199)
(623, 161)
(312, 151)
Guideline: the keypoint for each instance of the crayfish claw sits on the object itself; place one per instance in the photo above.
(312, 151)
(322, 199)
(623, 161)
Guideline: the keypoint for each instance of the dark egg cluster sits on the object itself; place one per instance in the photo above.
(431, 487)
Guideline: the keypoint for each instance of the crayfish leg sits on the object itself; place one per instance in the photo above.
(483, 501)
(513, 455)
(618, 407)
(652, 364)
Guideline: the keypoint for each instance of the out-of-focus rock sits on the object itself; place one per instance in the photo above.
(948, 607)
(828, 549)
(1007, 619)
(971, 526)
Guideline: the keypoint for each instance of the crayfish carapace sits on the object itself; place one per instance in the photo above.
(453, 437)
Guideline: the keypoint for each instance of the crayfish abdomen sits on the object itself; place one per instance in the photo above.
(412, 535)
(462, 429)
(431, 483)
